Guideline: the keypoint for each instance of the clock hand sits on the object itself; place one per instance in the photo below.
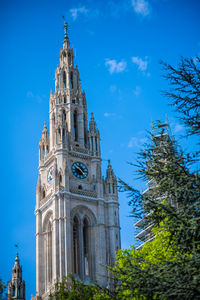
(80, 170)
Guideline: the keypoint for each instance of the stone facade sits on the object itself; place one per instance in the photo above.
(77, 210)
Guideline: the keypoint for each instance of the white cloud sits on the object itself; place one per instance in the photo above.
(106, 114)
(135, 142)
(178, 128)
(36, 97)
(114, 66)
(142, 64)
(137, 90)
(141, 7)
(78, 11)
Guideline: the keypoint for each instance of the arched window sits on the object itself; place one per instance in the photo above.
(63, 135)
(92, 143)
(43, 152)
(59, 134)
(71, 80)
(69, 58)
(65, 100)
(76, 245)
(43, 194)
(96, 143)
(64, 115)
(64, 80)
(76, 125)
(60, 178)
(80, 187)
(86, 247)
(85, 130)
(49, 252)
(109, 188)
(113, 188)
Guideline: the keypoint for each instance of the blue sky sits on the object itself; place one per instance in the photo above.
(118, 46)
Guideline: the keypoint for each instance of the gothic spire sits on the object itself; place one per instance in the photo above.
(16, 286)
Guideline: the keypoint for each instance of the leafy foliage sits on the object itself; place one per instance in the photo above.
(2, 288)
(168, 267)
(74, 289)
(184, 94)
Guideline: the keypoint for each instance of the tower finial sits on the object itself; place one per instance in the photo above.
(65, 29)
(16, 246)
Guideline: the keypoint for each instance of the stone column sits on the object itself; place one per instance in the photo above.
(68, 237)
(38, 251)
(55, 240)
(61, 237)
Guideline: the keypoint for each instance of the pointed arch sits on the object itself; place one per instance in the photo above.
(71, 80)
(64, 115)
(64, 79)
(86, 247)
(83, 223)
(47, 227)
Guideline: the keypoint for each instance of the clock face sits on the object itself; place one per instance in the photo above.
(79, 170)
(50, 175)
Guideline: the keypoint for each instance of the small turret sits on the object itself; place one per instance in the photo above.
(94, 137)
(110, 183)
(44, 143)
(16, 286)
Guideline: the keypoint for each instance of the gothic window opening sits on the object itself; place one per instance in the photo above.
(86, 247)
(71, 80)
(47, 149)
(43, 152)
(63, 134)
(49, 252)
(65, 100)
(64, 116)
(85, 130)
(69, 59)
(59, 134)
(64, 80)
(96, 143)
(76, 125)
(113, 188)
(60, 179)
(76, 245)
(80, 187)
(109, 188)
(92, 144)
(43, 194)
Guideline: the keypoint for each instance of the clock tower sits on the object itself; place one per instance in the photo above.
(77, 210)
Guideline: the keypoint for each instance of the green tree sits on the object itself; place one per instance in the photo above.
(184, 91)
(74, 289)
(2, 288)
(168, 267)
